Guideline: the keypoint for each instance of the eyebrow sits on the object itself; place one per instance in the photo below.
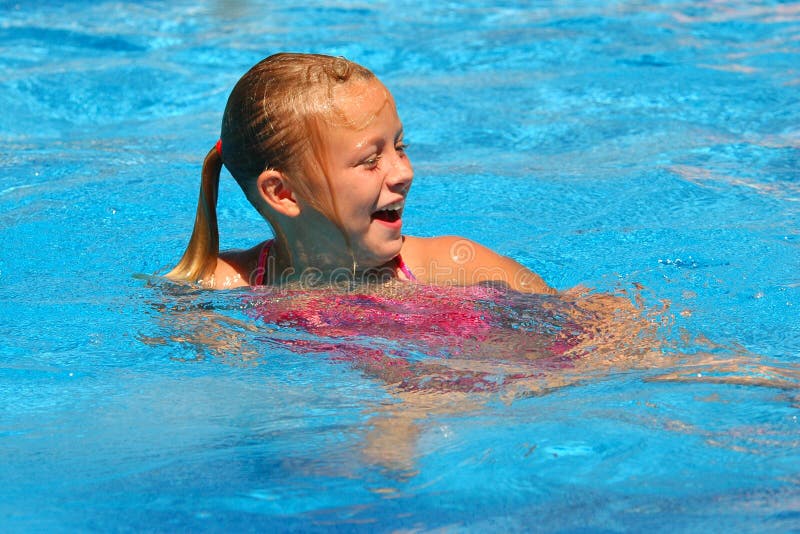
(378, 141)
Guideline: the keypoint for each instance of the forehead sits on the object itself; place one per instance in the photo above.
(356, 105)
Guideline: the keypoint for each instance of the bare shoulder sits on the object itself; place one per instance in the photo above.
(425, 246)
(235, 266)
(460, 261)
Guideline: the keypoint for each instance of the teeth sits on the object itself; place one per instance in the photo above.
(394, 207)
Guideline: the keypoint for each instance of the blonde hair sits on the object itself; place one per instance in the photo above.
(273, 120)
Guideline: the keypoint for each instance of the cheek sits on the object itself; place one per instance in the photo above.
(360, 199)
(355, 215)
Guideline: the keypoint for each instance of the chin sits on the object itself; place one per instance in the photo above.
(377, 256)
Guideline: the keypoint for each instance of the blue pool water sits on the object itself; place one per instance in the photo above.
(646, 149)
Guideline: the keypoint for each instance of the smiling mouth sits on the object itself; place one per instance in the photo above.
(387, 215)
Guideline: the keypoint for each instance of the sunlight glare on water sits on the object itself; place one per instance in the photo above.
(646, 150)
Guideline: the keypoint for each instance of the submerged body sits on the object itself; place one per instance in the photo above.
(422, 337)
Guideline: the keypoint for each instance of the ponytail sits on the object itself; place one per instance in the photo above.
(200, 258)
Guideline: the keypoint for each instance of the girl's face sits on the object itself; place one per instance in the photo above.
(368, 170)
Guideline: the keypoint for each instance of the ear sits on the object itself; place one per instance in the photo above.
(274, 189)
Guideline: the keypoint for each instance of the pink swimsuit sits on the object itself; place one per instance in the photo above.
(432, 321)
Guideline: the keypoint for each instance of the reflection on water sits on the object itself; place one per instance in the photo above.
(449, 350)
(416, 337)
(785, 190)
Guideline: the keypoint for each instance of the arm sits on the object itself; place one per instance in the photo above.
(452, 260)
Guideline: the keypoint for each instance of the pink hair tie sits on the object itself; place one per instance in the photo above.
(219, 147)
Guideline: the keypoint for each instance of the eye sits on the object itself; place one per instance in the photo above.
(371, 162)
(401, 147)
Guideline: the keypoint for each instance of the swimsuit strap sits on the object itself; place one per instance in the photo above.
(401, 265)
(261, 270)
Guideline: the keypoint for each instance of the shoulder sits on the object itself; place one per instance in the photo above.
(234, 267)
(449, 250)
(427, 245)
(460, 261)
(444, 253)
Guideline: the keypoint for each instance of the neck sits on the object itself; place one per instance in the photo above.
(295, 263)
(321, 256)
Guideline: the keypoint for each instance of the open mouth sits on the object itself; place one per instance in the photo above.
(389, 216)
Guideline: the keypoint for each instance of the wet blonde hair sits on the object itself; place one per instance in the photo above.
(273, 120)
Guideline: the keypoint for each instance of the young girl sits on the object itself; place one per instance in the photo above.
(317, 146)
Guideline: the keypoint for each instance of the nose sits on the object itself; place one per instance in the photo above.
(400, 173)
